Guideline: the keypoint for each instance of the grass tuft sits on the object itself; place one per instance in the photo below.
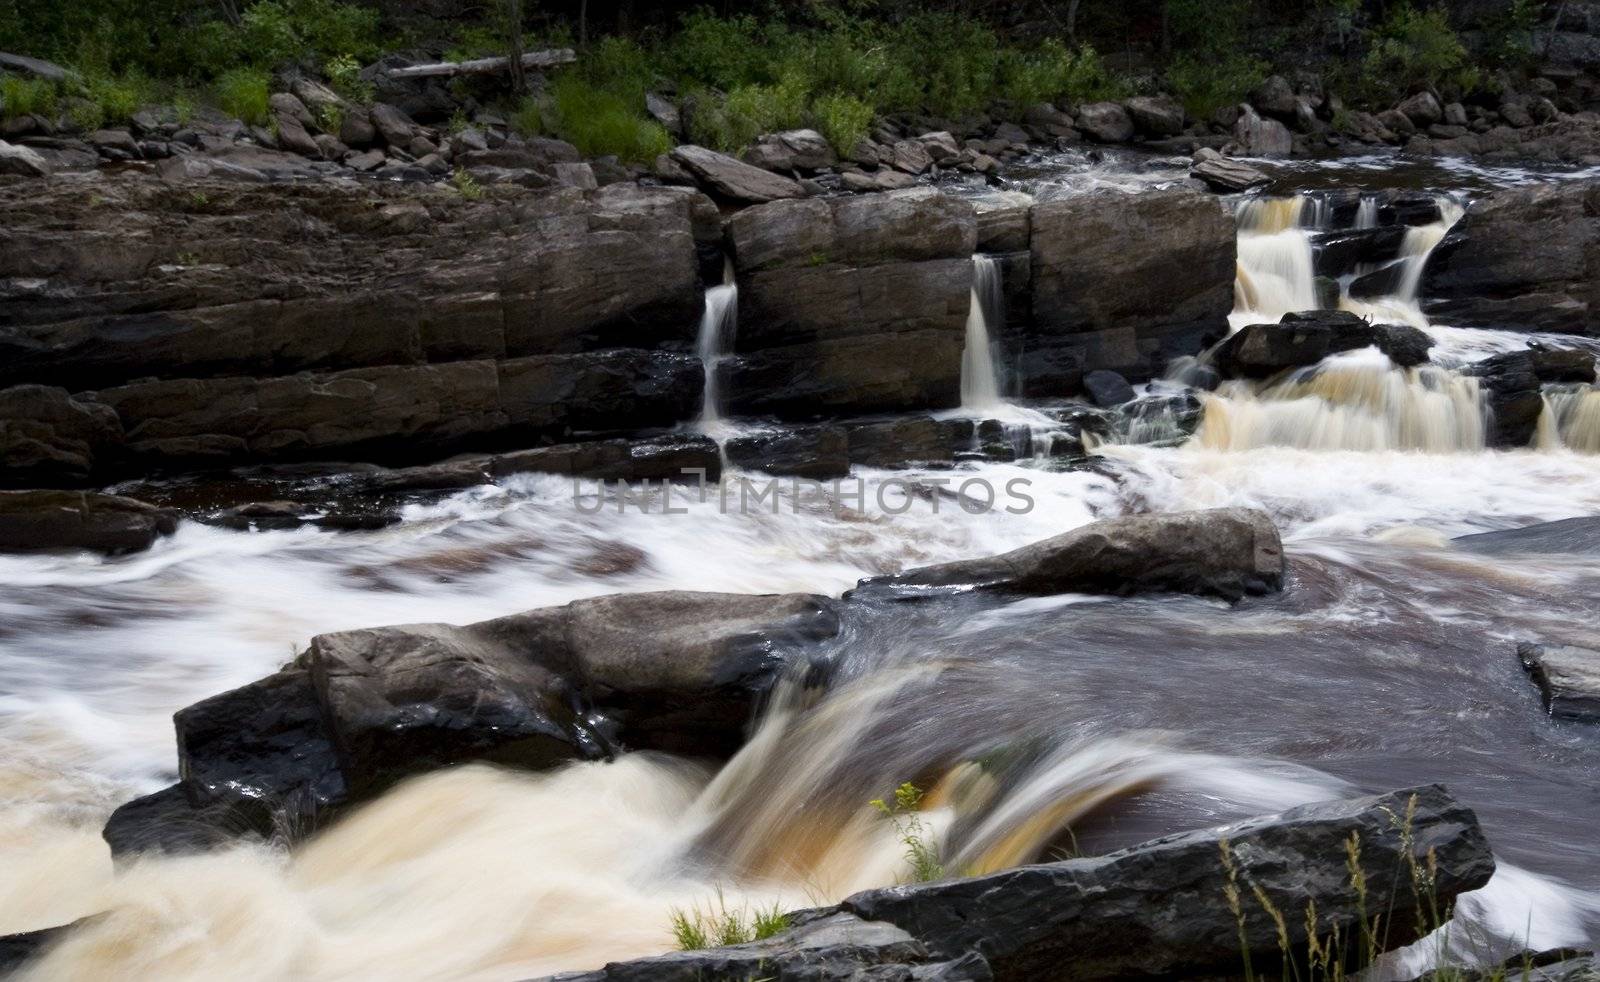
(695, 929)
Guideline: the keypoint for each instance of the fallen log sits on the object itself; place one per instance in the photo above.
(486, 66)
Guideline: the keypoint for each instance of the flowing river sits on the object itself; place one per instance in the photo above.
(1388, 660)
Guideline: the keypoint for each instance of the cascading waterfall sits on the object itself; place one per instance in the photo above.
(1276, 269)
(718, 324)
(980, 372)
(1353, 401)
(1420, 240)
(1367, 212)
(1571, 419)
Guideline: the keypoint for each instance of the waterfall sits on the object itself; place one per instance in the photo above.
(1571, 419)
(1367, 212)
(1354, 401)
(980, 373)
(1276, 272)
(718, 325)
(1420, 240)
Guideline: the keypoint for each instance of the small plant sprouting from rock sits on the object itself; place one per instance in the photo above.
(467, 186)
(922, 852)
(694, 929)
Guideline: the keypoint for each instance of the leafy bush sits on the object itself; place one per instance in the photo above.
(1054, 72)
(243, 92)
(526, 120)
(843, 119)
(116, 99)
(1416, 48)
(344, 75)
(599, 122)
(720, 52)
(757, 109)
(1205, 85)
(26, 96)
(275, 32)
(957, 57)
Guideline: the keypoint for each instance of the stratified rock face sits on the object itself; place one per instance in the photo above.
(219, 321)
(1226, 552)
(852, 304)
(1125, 282)
(1524, 259)
(49, 521)
(1158, 910)
(1568, 678)
(359, 710)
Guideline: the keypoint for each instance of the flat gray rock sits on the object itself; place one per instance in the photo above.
(1571, 536)
(732, 178)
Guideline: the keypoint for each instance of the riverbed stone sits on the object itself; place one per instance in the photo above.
(815, 452)
(1107, 122)
(1227, 552)
(1223, 173)
(48, 436)
(1155, 116)
(1305, 338)
(1259, 136)
(1510, 385)
(731, 179)
(1568, 678)
(51, 521)
(1521, 259)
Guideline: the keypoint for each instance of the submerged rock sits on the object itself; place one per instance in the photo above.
(1568, 678)
(47, 521)
(1568, 536)
(1226, 552)
(1107, 389)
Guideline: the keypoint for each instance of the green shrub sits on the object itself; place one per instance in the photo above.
(843, 119)
(1053, 72)
(116, 99)
(696, 929)
(1206, 84)
(957, 59)
(526, 120)
(922, 851)
(757, 109)
(599, 122)
(27, 96)
(344, 75)
(1415, 48)
(243, 92)
(720, 52)
(466, 185)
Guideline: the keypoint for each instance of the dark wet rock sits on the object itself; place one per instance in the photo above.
(278, 516)
(1155, 116)
(1259, 136)
(1133, 913)
(1560, 364)
(848, 287)
(1523, 259)
(1107, 389)
(48, 521)
(678, 672)
(1568, 678)
(1107, 122)
(1224, 174)
(1343, 250)
(22, 161)
(1275, 96)
(1003, 221)
(1302, 339)
(675, 457)
(1422, 109)
(816, 452)
(47, 436)
(1225, 552)
(829, 946)
(731, 179)
(898, 443)
(1124, 282)
(16, 950)
(1568, 536)
(1511, 388)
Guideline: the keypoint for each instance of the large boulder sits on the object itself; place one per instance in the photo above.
(46, 435)
(1422, 109)
(1523, 259)
(22, 161)
(359, 710)
(791, 150)
(1302, 339)
(1259, 136)
(1107, 122)
(1158, 911)
(1155, 116)
(1225, 552)
(1570, 536)
(1568, 678)
(823, 283)
(1224, 173)
(1124, 282)
(733, 180)
(49, 521)
(1510, 386)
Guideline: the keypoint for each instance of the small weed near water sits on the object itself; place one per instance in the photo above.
(695, 929)
(921, 851)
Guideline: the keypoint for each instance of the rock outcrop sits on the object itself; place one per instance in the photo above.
(851, 304)
(1157, 910)
(1302, 339)
(1226, 552)
(1522, 258)
(49, 521)
(359, 710)
(1568, 678)
(1568, 536)
(1124, 282)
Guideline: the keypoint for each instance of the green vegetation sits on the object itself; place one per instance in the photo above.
(843, 120)
(695, 929)
(24, 96)
(922, 853)
(1416, 48)
(242, 92)
(466, 185)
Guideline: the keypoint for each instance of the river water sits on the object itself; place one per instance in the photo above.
(1040, 726)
